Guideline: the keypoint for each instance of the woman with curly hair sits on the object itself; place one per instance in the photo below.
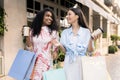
(44, 30)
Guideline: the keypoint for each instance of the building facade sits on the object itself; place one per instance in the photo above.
(21, 12)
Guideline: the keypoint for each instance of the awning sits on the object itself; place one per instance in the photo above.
(98, 9)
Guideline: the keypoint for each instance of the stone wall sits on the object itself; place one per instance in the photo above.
(15, 19)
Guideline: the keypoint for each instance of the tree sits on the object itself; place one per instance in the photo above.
(114, 39)
(2, 23)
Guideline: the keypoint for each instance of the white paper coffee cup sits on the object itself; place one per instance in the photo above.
(97, 32)
(26, 31)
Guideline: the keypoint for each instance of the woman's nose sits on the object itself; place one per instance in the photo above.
(50, 18)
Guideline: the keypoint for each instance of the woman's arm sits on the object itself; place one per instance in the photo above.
(90, 46)
(91, 42)
(58, 44)
(28, 41)
(29, 45)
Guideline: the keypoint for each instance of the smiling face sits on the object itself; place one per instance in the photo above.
(71, 17)
(47, 20)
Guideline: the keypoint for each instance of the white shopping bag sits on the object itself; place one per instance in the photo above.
(94, 68)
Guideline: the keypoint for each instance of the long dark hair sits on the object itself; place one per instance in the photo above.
(38, 22)
(82, 20)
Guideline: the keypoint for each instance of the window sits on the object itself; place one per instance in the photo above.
(46, 6)
(51, 0)
(57, 12)
(67, 3)
(29, 10)
(57, 1)
(33, 7)
(37, 5)
(62, 2)
(63, 13)
(30, 4)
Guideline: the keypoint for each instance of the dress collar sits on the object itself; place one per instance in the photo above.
(79, 31)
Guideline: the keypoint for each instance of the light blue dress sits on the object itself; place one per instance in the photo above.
(76, 47)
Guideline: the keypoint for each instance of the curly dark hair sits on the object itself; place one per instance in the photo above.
(38, 22)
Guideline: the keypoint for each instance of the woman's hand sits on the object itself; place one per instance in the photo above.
(30, 48)
(97, 54)
(90, 46)
(55, 42)
(55, 55)
(95, 37)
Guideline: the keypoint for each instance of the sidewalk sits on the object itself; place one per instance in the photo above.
(6, 78)
(118, 52)
(113, 65)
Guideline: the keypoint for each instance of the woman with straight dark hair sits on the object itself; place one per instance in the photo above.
(44, 30)
(75, 41)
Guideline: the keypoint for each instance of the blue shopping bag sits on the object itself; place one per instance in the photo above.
(23, 64)
(57, 74)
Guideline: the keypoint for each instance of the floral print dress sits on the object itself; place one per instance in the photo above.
(43, 47)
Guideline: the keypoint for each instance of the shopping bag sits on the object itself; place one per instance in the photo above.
(94, 68)
(22, 66)
(57, 74)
